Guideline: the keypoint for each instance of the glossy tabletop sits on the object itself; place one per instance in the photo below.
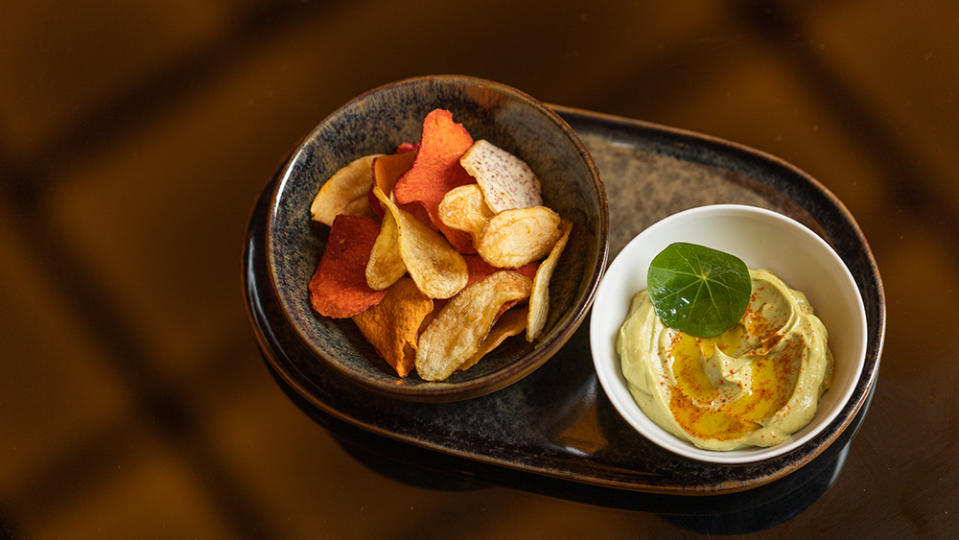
(135, 139)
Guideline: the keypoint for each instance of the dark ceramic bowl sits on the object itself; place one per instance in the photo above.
(378, 121)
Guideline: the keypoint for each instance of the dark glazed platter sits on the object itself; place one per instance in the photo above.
(557, 422)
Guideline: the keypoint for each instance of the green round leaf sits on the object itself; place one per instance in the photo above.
(698, 290)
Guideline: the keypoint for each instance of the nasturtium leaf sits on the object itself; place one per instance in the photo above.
(698, 290)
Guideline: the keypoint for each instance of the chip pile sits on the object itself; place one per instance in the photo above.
(431, 249)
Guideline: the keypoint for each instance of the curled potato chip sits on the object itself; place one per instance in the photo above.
(385, 265)
(463, 208)
(392, 326)
(454, 336)
(438, 269)
(539, 296)
(513, 238)
(345, 192)
(506, 180)
(509, 324)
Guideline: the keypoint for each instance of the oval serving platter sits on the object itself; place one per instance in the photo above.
(557, 422)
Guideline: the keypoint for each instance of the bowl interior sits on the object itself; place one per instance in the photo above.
(762, 239)
(377, 122)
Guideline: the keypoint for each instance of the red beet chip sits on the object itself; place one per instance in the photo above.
(338, 288)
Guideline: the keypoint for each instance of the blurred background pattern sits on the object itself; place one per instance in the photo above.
(136, 136)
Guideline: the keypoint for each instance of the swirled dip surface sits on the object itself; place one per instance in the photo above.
(753, 385)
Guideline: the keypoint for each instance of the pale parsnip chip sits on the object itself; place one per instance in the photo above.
(438, 269)
(385, 265)
(509, 324)
(507, 181)
(346, 192)
(539, 297)
(454, 336)
(464, 208)
(513, 238)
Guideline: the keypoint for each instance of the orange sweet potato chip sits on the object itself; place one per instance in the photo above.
(338, 288)
(437, 170)
(392, 326)
(386, 171)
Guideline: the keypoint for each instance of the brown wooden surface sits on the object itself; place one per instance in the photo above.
(135, 136)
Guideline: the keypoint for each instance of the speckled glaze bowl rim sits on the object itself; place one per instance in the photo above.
(509, 374)
(607, 361)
